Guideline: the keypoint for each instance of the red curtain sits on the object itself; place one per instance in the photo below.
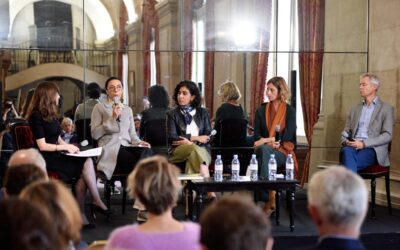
(311, 15)
(122, 37)
(187, 38)
(209, 57)
(151, 31)
(259, 61)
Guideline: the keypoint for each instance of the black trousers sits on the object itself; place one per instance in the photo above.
(128, 157)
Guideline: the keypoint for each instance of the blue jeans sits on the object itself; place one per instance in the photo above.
(356, 160)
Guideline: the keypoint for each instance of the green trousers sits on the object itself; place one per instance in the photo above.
(194, 156)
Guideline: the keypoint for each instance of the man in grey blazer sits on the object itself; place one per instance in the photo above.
(368, 130)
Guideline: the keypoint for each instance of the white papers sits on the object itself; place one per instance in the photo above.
(185, 177)
(87, 153)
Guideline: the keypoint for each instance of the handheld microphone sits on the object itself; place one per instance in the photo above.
(212, 134)
(116, 103)
(277, 132)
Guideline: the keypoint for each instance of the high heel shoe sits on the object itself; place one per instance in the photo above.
(96, 209)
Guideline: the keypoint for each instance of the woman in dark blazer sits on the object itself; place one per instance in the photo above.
(276, 112)
(189, 129)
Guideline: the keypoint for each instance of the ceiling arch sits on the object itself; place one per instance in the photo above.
(94, 9)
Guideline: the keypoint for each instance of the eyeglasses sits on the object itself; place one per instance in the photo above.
(113, 88)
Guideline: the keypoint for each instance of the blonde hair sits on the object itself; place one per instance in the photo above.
(229, 91)
(283, 88)
(154, 181)
(66, 121)
(57, 202)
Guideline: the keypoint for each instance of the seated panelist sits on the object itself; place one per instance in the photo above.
(270, 117)
(368, 130)
(113, 126)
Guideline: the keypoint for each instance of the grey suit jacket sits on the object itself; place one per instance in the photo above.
(380, 129)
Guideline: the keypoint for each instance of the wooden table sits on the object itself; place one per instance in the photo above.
(201, 187)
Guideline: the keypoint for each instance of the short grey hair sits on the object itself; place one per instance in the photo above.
(340, 196)
(27, 156)
(374, 79)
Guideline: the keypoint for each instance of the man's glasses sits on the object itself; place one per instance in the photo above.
(113, 88)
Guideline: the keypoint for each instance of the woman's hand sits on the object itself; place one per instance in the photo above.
(117, 109)
(201, 138)
(182, 141)
(72, 149)
(144, 144)
(269, 141)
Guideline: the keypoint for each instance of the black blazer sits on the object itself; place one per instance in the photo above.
(176, 125)
(260, 126)
(332, 243)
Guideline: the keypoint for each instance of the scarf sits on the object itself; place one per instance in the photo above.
(186, 113)
(278, 117)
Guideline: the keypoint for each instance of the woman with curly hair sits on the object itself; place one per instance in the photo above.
(276, 112)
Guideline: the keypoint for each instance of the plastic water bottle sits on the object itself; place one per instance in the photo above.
(272, 168)
(253, 168)
(218, 168)
(289, 167)
(235, 168)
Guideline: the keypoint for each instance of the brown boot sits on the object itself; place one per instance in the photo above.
(269, 206)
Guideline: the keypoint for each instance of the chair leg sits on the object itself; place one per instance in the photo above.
(107, 193)
(123, 184)
(389, 202)
(373, 191)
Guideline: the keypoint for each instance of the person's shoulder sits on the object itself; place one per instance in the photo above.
(191, 226)
(122, 232)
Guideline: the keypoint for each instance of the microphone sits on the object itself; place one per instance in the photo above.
(116, 103)
(212, 134)
(277, 132)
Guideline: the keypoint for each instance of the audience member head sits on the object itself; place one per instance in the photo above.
(93, 90)
(337, 201)
(28, 156)
(7, 103)
(233, 223)
(24, 226)
(154, 181)
(229, 91)
(45, 100)
(137, 119)
(193, 91)
(158, 97)
(58, 204)
(114, 88)
(20, 176)
(280, 85)
(67, 125)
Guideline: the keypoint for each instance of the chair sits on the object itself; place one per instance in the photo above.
(109, 184)
(83, 132)
(231, 133)
(97, 245)
(371, 173)
(231, 138)
(23, 138)
(155, 134)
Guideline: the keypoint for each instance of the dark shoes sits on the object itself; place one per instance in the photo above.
(96, 209)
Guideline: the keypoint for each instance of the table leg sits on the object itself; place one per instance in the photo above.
(190, 203)
(277, 206)
(291, 208)
(199, 204)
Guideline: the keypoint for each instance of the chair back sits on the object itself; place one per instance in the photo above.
(155, 132)
(232, 133)
(97, 245)
(22, 135)
(83, 131)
